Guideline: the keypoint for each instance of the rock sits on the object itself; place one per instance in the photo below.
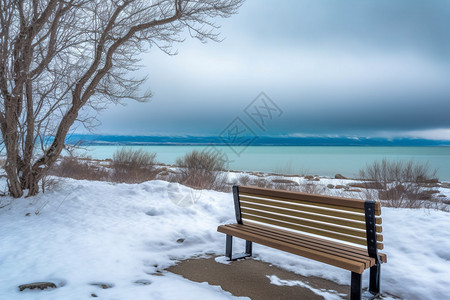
(340, 186)
(103, 285)
(430, 192)
(330, 186)
(37, 285)
(367, 185)
(181, 240)
(143, 282)
(315, 179)
(285, 181)
(445, 184)
(340, 176)
(434, 180)
(163, 173)
(94, 295)
(309, 177)
(354, 190)
(442, 196)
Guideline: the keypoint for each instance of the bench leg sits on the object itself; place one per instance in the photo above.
(229, 249)
(248, 248)
(355, 288)
(374, 284)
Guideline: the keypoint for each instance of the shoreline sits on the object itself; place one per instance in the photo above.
(322, 160)
(254, 172)
(433, 193)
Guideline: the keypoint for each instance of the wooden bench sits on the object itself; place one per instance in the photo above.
(341, 232)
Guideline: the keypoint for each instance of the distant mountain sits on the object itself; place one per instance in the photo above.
(245, 141)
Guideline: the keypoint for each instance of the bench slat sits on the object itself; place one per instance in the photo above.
(338, 236)
(324, 226)
(312, 198)
(319, 241)
(311, 244)
(309, 216)
(305, 206)
(340, 262)
(297, 201)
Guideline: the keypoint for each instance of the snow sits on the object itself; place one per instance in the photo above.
(327, 295)
(223, 260)
(125, 235)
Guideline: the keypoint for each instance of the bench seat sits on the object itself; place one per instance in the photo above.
(347, 257)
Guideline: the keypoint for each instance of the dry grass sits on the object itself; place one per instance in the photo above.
(133, 166)
(399, 184)
(201, 170)
(244, 179)
(75, 168)
(281, 183)
(49, 183)
(128, 165)
(311, 188)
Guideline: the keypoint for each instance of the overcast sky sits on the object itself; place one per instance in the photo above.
(333, 68)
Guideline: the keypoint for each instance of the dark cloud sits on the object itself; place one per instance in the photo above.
(412, 25)
(334, 67)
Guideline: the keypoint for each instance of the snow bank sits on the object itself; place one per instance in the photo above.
(125, 235)
(95, 232)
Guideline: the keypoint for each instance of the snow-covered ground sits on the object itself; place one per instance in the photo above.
(84, 233)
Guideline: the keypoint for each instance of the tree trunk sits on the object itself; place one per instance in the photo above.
(32, 184)
(14, 186)
(30, 181)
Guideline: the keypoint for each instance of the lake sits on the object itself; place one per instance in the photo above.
(312, 160)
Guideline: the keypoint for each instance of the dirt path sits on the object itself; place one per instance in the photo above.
(249, 278)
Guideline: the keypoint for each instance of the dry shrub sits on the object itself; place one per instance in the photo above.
(75, 168)
(278, 183)
(262, 183)
(281, 183)
(399, 184)
(49, 183)
(133, 165)
(201, 170)
(244, 179)
(311, 187)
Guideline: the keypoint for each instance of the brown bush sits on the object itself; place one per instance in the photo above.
(311, 187)
(399, 183)
(201, 170)
(75, 168)
(133, 165)
(281, 183)
(278, 183)
(244, 179)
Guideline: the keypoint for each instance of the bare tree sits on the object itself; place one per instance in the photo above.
(60, 58)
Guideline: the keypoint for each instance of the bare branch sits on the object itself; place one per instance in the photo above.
(61, 61)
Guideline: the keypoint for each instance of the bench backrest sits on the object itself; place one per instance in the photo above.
(337, 218)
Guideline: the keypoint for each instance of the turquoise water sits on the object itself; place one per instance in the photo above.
(314, 160)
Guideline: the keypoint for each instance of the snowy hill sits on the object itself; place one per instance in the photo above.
(83, 234)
